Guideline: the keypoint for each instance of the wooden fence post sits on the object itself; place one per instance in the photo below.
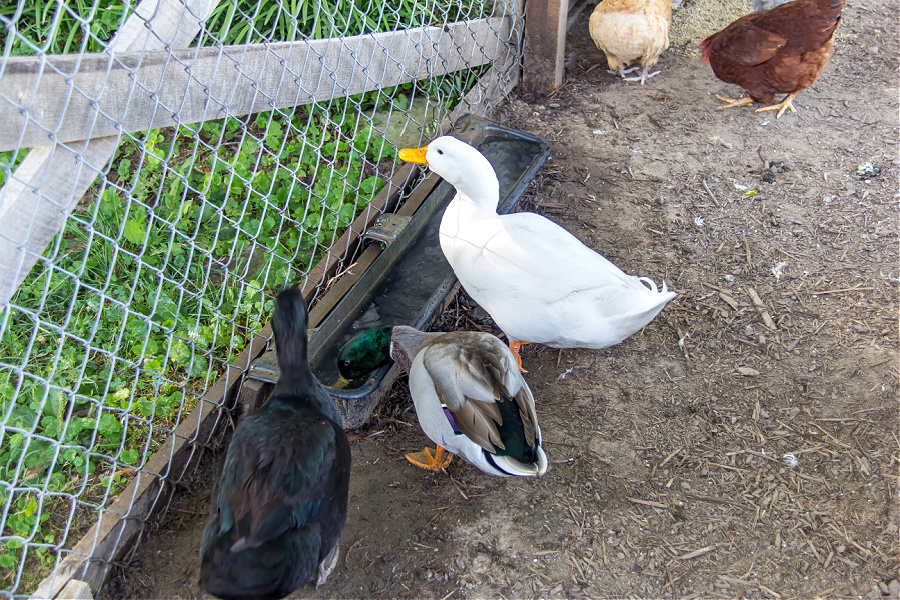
(545, 44)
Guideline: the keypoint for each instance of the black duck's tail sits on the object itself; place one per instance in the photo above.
(267, 572)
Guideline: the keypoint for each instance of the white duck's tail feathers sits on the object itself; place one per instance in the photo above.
(652, 301)
(643, 297)
(652, 285)
(630, 313)
(511, 466)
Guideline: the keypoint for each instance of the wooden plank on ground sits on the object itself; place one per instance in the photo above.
(102, 94)
(545, 45)
(76, 590)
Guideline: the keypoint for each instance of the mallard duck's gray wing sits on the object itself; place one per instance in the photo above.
(472, 373)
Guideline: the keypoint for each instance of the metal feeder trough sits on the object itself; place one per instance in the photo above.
(403, 276)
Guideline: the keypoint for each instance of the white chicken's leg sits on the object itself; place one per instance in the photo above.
(645, 75)
(622, 71)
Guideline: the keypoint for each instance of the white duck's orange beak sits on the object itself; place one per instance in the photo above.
(414, 155)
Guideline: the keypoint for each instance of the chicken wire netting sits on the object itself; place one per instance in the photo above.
(167, 167)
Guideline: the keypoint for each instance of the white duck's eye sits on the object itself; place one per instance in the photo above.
(440, 152)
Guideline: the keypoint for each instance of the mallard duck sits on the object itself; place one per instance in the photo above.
(282, 497)
(538, 281)
(470, 399)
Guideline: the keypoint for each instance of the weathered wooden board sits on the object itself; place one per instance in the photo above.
(97, 95)
(34, 205)
(545, 44)
(158, 24)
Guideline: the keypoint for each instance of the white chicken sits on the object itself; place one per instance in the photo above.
(630, 31)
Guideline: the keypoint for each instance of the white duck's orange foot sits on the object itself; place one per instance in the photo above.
(514, 347)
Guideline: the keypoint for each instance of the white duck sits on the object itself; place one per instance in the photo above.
(471, 400)
(538, 282)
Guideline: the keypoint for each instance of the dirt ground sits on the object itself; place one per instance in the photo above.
(745, 443)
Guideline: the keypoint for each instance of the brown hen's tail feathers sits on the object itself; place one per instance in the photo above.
(704, 49)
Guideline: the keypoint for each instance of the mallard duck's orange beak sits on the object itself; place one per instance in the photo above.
(414, 155)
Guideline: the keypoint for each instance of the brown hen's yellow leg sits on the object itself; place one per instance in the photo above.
(732, 102)
(439, 461)
(514, 348)
(781, 106)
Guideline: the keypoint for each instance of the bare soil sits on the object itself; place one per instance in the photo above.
(745, 443)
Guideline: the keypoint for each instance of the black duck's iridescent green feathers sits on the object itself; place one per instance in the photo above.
(365, 352)
(282, 495)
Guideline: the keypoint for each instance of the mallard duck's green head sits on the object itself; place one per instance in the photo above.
(365, 352)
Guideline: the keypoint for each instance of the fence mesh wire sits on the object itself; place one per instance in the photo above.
(163, 247)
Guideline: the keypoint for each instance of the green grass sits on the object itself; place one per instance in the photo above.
(167, 268)
(60, 27)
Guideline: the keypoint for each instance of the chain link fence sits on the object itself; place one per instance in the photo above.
(167, 167)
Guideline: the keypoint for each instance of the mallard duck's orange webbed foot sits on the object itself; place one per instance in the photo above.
(514, 348)
(439, 461)
(734, 102)
(782, 106)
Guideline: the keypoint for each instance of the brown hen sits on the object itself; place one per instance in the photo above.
(777, 51)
